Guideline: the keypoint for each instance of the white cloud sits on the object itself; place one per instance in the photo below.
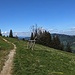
(21, 33)
(5, 33)
(17, 33)
(70, 31)
(2, 32)
(53, 31)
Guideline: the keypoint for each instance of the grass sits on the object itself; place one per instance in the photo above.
(42, 61)
(4, 50)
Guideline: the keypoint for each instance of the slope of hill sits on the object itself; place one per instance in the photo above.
(4, 50)
(42, 60)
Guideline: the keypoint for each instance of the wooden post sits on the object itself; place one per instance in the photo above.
(31, 44)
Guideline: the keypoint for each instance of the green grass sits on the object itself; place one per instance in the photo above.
(4, 50)
(42, 61)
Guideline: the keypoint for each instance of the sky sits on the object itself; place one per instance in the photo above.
(56, 16)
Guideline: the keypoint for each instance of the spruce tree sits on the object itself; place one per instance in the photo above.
(0, 33)
(68, 48)
(11, 34)
(56, 42)
(23, 39)
(32, 37)
(47, 38)
(39, 36)
(62, 47)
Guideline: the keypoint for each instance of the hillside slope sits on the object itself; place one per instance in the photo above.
(42, 61)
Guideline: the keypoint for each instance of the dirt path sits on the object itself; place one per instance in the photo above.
(8, 64)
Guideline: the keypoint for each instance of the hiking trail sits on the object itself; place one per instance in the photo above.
(7, 68)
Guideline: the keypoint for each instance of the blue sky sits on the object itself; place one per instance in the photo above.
(53, 15)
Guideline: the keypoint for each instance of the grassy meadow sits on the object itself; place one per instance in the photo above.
(42, 61)
(4, 50)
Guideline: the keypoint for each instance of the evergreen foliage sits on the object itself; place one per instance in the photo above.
(0, 33)
(62, 47)
(23, 39)
(11, 34)
(56, 42)
(32, 37)
(44, 38)
(68, 48)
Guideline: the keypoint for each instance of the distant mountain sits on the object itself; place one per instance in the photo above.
(66, 38)
(21, 37)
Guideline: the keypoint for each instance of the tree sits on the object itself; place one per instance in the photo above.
(39, 36)
(68, 48)
(44, 38)
(23, 39)
(47, 38)
(35, 31)
(32, 37)
(62, 47)
(53, 42)
(11, 34)
(0, 33)
(56, 43)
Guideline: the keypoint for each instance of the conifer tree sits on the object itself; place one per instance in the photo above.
(47, 38)
(62, 47)
(11, 34)
(32, 37)
(0, 33)
(68, 48)
(23, 39)
(56, 42)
